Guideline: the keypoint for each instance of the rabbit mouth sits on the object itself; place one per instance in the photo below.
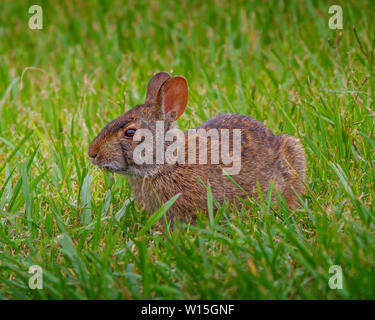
(112, 166)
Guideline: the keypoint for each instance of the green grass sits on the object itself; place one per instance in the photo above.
(275, 61)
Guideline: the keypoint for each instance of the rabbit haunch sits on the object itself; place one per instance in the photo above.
(175, 146)
(265, 159)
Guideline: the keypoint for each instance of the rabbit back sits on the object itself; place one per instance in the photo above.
(264, 158)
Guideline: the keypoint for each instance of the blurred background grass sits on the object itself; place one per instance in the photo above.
(276, 61)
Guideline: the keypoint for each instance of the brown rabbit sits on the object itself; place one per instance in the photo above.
(264, 158)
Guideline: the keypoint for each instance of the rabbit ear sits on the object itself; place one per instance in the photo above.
(173, 96)
(154, 86)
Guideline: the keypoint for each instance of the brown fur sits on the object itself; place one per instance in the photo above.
(264, 157)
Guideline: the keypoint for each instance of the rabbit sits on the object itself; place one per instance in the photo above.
(264, 158)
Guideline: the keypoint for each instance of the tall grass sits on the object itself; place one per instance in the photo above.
(276, 61)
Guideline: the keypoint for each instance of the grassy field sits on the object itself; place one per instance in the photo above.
(275, 61)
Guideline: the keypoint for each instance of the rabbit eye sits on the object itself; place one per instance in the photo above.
(129, 133)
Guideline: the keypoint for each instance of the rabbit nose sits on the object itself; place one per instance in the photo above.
(93, 158)
(92, 154)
